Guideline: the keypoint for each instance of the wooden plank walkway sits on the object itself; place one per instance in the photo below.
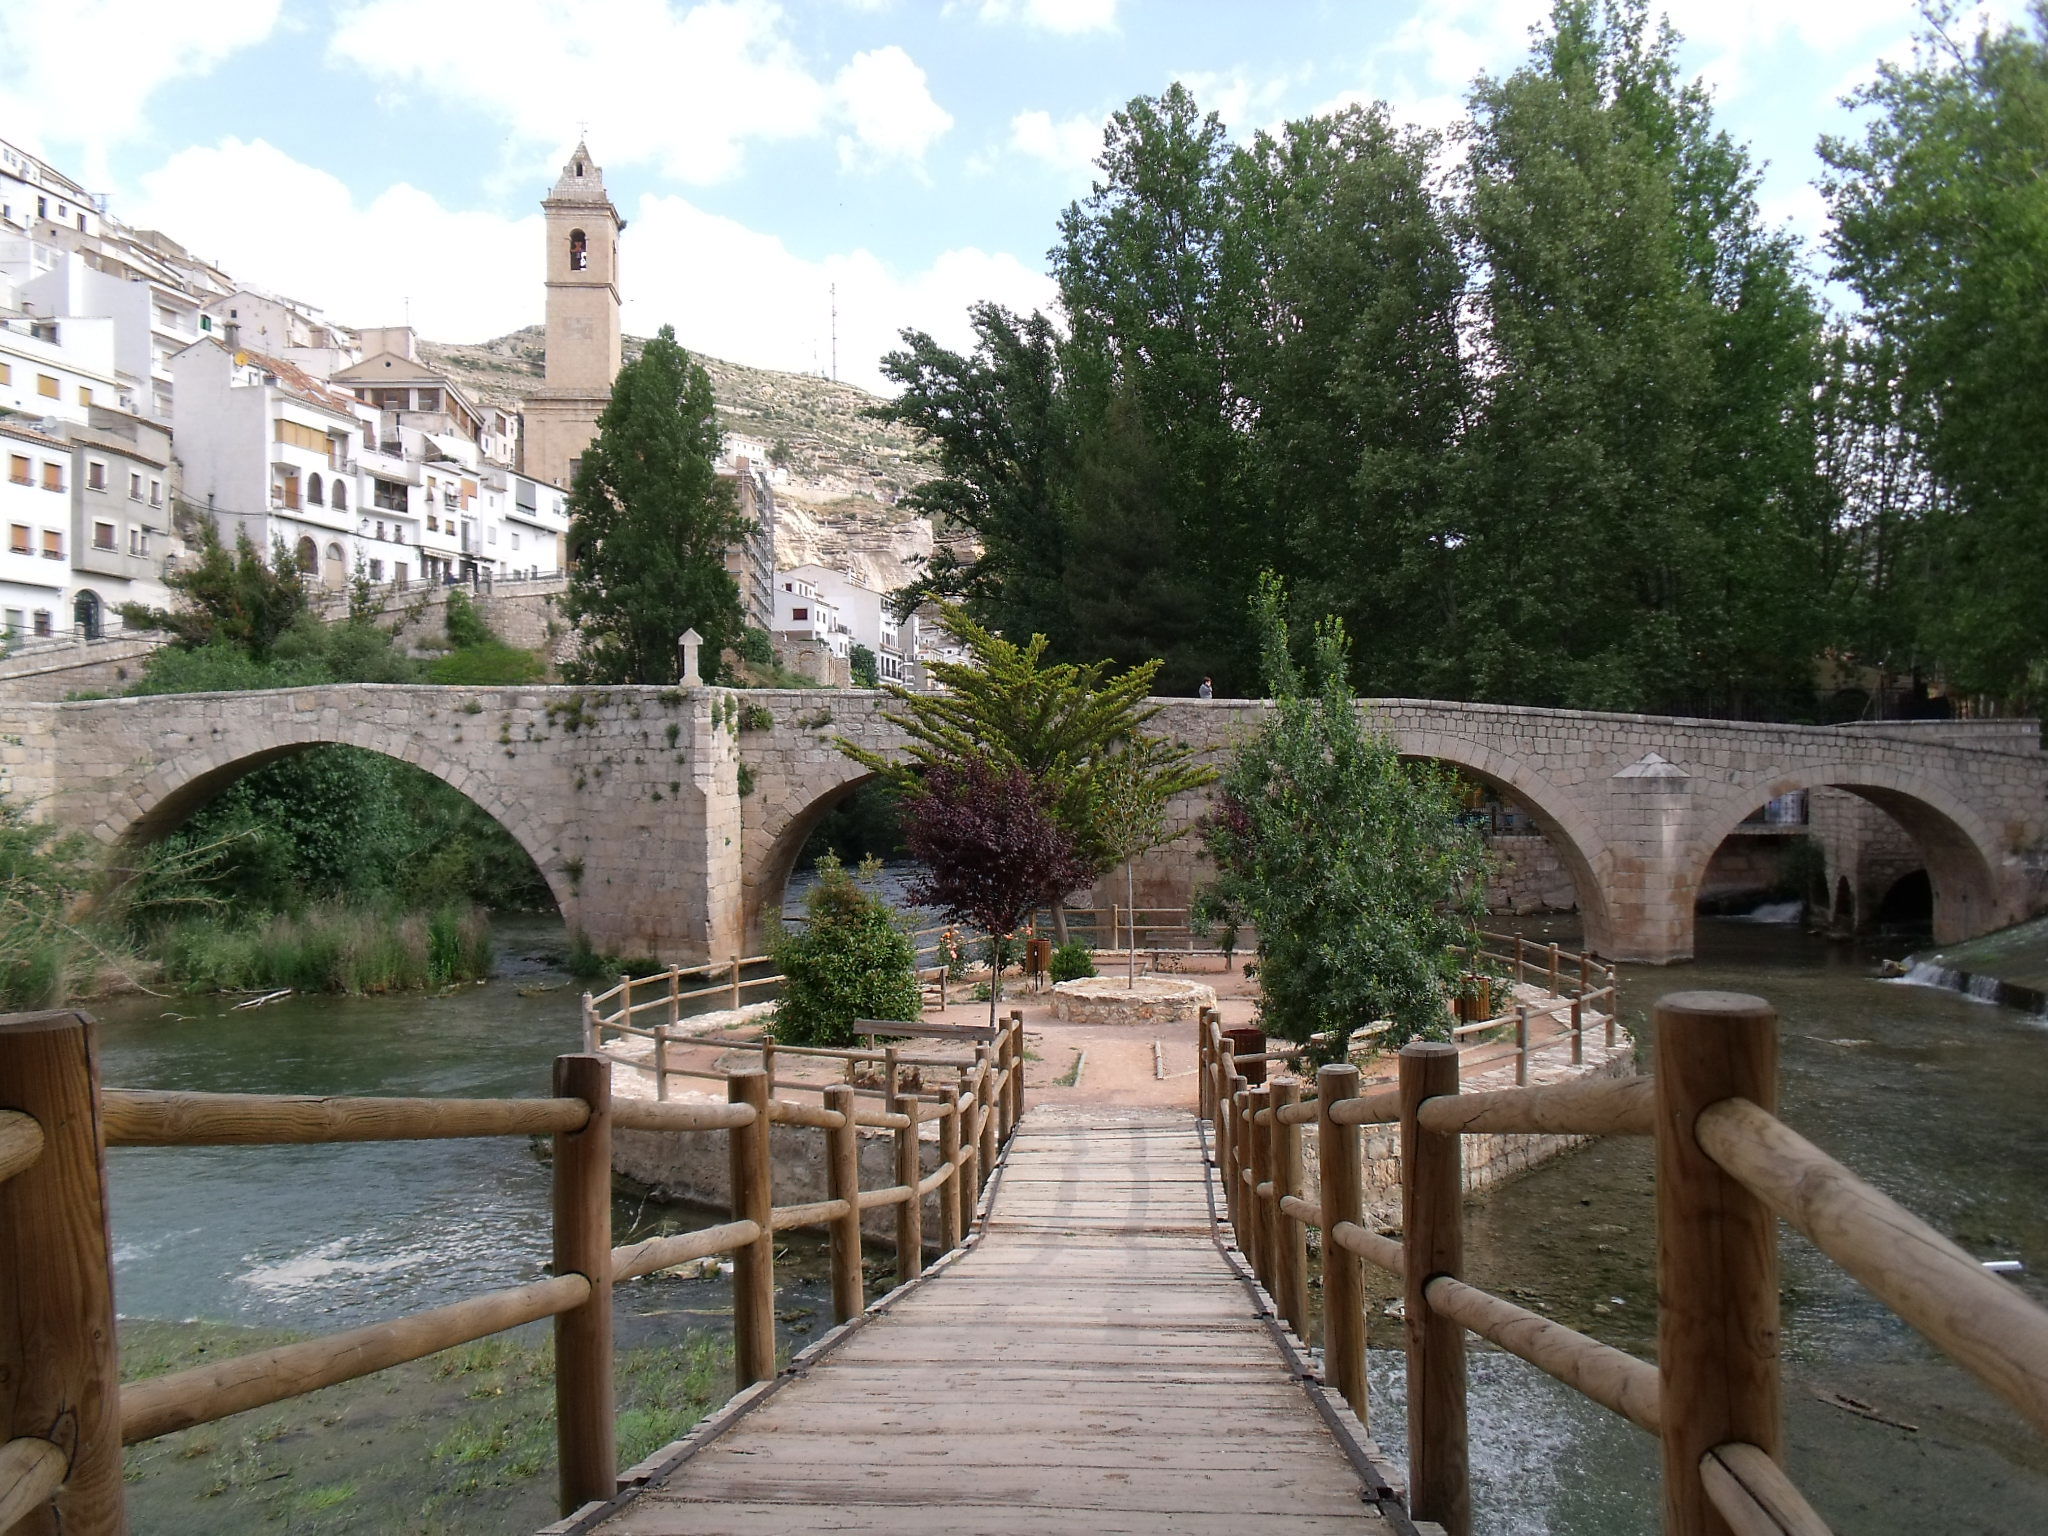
(1091, 1365)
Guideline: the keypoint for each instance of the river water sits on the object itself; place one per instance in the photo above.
(1936, 1098)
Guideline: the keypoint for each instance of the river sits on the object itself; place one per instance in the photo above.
(1935, 1097)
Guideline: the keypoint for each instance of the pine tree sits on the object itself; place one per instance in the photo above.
(649, 523)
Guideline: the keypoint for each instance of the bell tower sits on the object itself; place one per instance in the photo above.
(583, 353)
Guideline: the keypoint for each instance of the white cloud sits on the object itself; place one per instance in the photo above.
(738, 293)
(1070, 144)
(729, 290)
(81, 72)
(684, 90)
(889, 109)
(1063, 16)
(1245, 103)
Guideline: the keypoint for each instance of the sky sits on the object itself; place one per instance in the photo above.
(384, 159)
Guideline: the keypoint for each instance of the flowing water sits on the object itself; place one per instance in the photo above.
(1935, 1097)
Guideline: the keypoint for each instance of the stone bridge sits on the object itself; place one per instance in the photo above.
(667, 821)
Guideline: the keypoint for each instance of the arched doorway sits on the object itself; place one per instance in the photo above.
(88, 615)
(334, 570)
(308, 557)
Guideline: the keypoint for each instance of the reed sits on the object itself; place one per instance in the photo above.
(331, 947)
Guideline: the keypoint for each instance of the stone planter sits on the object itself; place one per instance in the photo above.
(1115, 1000)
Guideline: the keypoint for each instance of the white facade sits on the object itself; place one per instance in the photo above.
(33, 194)
(58, 369)
(35, 506)
(859, 615)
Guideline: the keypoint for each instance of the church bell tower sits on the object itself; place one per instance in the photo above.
(582, 320)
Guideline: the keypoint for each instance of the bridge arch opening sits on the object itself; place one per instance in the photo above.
(853, 818)
(385, 825)
(1909, 827)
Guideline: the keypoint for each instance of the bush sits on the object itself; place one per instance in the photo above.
(42, 873)
(491, 663)
(330, 948)
(1073, 960)
(464, 623)
(851, 960)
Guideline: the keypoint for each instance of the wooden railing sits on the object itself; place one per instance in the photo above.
(66, 1415)
(1727, 1169)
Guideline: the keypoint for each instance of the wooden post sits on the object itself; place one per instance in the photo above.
(1205, 1089)
(1017, 1082)
(585, 1406)
(1344, 1330)
(1290, 1237)
(949, 1157)
(1585, 968)
(910, 1212)
(59, 1378)
(753, 1267)
(626, 1001)
(735, 983)
(1554, 957)
(1717, 1251)
(1521, 958)
(768, 1060)
(1258, 1212)
(842, 1174)
(985, 1091)
(660, 1061)
(966, 1188)
(1613, 1012)
(589, 1024)
(1579, 1030)
(1521, 1044)
(1230, 1161)
(892, 1077)
(1433, 1224)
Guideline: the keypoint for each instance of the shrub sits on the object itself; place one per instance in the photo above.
(465, 623)
(491, 663)
(851, 960)
(1073, 960)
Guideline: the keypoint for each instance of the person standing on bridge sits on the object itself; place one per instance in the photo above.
(1207, 690)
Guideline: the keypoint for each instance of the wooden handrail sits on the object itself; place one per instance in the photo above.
(212, 1391)
(135, 1118)
(21, 1143)
(1609, 1377)
(1754, 1495)
(655, 1253)
(647, 1115)
(1613, 1106)
(1975, 1318)
(31, 1471)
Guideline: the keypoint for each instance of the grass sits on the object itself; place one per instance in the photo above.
(461, 1442)
(331, 947)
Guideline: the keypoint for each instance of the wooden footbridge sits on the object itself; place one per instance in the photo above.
(1113, 1337)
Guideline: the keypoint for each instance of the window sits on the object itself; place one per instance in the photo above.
(17, 539)
(491, 535)
(433, 523)
(316, 493)
(388, 399)
(156, 493)
(515, 538)
(7, 377)
(95, 475)
(15, 619)
(430, 400)
(17, 469)
(380, 532)
(42, 625)
(103, 536)
(341, 495)
(134, 486)
(376, 570)
(288, 491)
(53, 476)
(799, 615)
(138, 541)
(398, 573)
(298, 435)
(53, 544)
(579, 251)
(308, 557)
(46, 386)
(84, 395)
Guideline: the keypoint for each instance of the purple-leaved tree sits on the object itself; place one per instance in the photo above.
(990, 848)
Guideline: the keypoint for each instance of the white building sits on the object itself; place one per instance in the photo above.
(35, 505)
(34, 195)
(857, 615)
(58, 368)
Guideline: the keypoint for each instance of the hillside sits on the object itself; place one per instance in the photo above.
(845, 471)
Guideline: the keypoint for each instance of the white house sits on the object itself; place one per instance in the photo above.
(58, 368)
(859, 616)
(803, 613)
(35, 506)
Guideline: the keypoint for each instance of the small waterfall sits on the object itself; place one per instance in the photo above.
(1778, 914)
(1978, 988)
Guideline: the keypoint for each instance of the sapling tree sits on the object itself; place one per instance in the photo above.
(1351, 863)
(990, 847)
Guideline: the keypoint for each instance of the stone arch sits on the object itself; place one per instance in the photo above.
(1569, 828)
(164, 799)
(780, 836)
(1959, 850)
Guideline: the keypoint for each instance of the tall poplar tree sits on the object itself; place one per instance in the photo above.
(649, 523)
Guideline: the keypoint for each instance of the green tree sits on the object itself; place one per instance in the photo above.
(229, 597)
(1352, 864)
(866, 669)
(1077, 732)
(649, 524)
(1649, 357)
(850, 960)
(1941, 228)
